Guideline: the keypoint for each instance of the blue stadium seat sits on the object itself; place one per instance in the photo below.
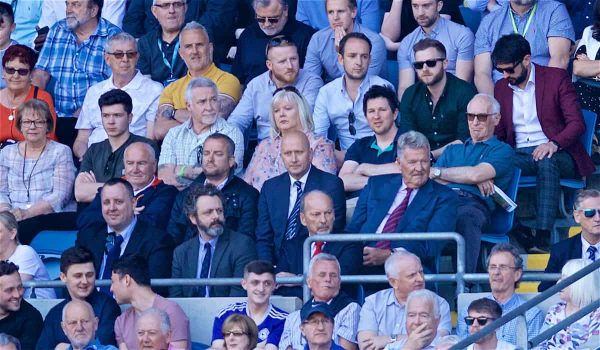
(53, 243)
(502, 220)
(392, 73)
(471, 18)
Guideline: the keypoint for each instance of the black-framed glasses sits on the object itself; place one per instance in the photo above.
(430, 63)
(33, 123)
(199, 154)
(234, 333)
(589, 212)
(119, 55)
(273, 20)
(510, 70)
(481, 117)
(351, 120)
(482, 321)
(177, 5)
(21, 71)
(288, 88)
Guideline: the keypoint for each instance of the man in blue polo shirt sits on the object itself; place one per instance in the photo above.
(472, 169)
(317, 326)
(259, 283)
(376, 154)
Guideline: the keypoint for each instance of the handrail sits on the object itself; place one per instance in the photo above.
(589, 308)
(520, 310)
(354, 237)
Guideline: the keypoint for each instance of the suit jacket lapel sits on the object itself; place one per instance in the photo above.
(135, 240)
(385, 196)
(220, 249)
(576, 248)
(191, 265)
(98, 247)
(421, 199)
(539, 93)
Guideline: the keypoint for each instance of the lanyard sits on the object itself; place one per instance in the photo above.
(172, 64)
(512, 18)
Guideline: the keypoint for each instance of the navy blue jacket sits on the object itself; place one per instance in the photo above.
(560, 253)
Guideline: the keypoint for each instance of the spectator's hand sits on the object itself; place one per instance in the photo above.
(39, 41)
(375, 343)
(375, 256)
(139, 210)
(88, 177)
(18, 213)
(419, 338)
(544, 150)
(486, 187)
(582, 57)
(285, 274)
(339, 33)
(76, 113)
(62, 346)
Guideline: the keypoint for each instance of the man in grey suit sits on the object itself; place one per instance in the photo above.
(215, 252)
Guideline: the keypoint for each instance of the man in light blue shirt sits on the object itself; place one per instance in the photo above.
(505, 268)
(457, 39)
(80, 324)
(545, 24)
(311, 12)
(283, 66)
(322, 51)
(340, 102)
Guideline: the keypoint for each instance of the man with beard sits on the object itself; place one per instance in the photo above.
(541, 118)
(436, 105)
(283, 64)
(17, 317)
(83, 24)
(546, 25)
(456, 38)
(181, 155)
(197, 53)
(347, 91)
(215, 252)
(80, 325)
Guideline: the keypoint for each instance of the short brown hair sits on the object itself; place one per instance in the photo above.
(428, 43)
(40, 108)
(246, 325)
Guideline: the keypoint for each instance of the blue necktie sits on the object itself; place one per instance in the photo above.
(592, 252)
(292, 221)
(112, 250)
(205, 268)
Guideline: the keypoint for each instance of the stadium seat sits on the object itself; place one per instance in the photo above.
(53, 242)
(392, 73)
(471, 18)
(502, 220)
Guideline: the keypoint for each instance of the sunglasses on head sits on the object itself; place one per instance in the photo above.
(589, 213)
(351, 120)
(120, 55)
(510, 70)
(481, 117)
(263, 20)
(430, 63)
(288, 88)
(482, 321)
(22, 71)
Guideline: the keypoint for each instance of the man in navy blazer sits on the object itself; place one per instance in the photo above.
(430, 207)
(584, 245)
(279, 204)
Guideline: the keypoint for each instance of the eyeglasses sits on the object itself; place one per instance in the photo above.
(589, 213)
(430, 63)
(351, 120)
(273, 20)
(510, 70)
(176, 5)
(22, 71)
(199, 154)
(33, 123)
(482, 117)
(120, 55)
(482, 321)
(318, 322)
(288, 88)
(502, 268)
(234, 333)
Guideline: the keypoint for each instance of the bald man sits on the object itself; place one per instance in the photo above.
(80, 325)
(154, 198)
(280, 199)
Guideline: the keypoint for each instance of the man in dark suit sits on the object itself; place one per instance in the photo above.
(241, 199)
(541, 118)
(123, 234)
(404, 203)
(215, 253)
(316, 213)
(280, 198)
(154, 197)
(584, 245)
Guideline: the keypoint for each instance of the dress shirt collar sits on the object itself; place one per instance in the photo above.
(151, 183)
(391, 298)
(435, 30)
(126, 233)
(302, 179)
(216, 127)
(213, 242)
(365, 84)
(134, 84)
(93, 345)
(530, 81)
(514, 298)
(219, 186)
(585, 245)
(525, 15)
(491, 141)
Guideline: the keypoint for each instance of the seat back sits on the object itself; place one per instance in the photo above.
(53, 242)
(471, 18)
(501, 219)
(587, 137)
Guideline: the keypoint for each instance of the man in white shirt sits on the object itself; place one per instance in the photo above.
(422, 320)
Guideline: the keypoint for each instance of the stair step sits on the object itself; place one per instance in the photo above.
(528, 287)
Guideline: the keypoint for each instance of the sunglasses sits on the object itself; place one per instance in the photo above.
(288, 88)
(235, 334)
(482, 321)
(481, 117)
(510, 70)
(279, 40)
(430, 63)
(120, 55)
(272, 20)
(590, 213)
(22, 71)
(351, 120)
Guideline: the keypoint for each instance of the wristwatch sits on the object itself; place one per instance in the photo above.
(437, 172)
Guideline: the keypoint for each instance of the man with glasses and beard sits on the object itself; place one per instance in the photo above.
(542, 120)
(216, 252)
(436, 105)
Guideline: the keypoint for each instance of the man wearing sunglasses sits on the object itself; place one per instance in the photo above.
(122, 56)
(542, 120)
(472, 169)
(271, 20)
(482, 312)
(585, 245)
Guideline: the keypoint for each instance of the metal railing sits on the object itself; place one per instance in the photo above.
(520, 310)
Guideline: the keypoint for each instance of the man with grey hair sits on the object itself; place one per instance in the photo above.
(8, 342)
(422, 321)
(505, 269)
(473, 169)
(402, 203)
(80, 324)
(271, 20)
(181, 155)
(586, 245)
(197, 52)
(121, 54)
(153, 329)
(324, 282)
(216, 252)
(383, 315)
